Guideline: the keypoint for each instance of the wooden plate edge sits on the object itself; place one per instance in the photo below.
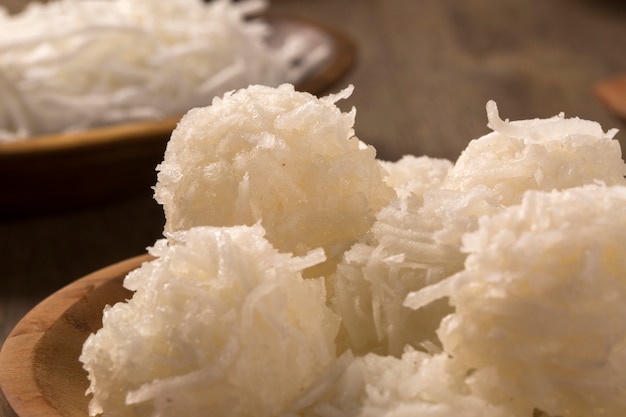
(18, 379)
(145, 130)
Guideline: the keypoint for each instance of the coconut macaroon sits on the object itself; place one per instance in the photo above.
(73, 65)
(539, 308)
(285, 158)
(415, 174)
(492, 287)
(219, 324)
(538, 154)
(416, 240)
(416, 384)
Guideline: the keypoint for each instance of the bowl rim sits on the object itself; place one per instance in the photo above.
(321, 80)
(20, 379)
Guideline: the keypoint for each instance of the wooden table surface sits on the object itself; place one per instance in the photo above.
(424, 71)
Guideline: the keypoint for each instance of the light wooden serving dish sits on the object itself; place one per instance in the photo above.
(612, 94)
(41, 374)
(71, 170)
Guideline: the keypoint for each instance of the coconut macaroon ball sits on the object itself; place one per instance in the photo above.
(415, 242)
(282, 157)
(416, 384)
(538, 154)
(220, 324)
(415, 174)
(539, 308)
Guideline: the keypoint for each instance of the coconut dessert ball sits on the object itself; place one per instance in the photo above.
(285, 158)
(220, 324)
(415, 174)
(539, 154)
(539, 308)
(417, 384)
(415, 242)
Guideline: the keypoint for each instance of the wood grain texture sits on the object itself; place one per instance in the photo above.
(41, 374)
(426, 68)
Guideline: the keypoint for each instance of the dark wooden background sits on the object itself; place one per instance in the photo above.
(424, 71)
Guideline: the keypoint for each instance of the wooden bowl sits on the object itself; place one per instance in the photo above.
(57, 172)
(612, 94)
(41, 374)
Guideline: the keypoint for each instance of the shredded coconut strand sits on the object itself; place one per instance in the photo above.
(70, 65)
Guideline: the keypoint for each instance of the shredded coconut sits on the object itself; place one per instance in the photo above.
(282, 157)
(489, 287)
(211, 321)
(70, 65)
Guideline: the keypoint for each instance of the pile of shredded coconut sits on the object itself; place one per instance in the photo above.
(539, 307)
(493, 286)
(539, 154)
(69, 65)
(277, 156)
(210, 322)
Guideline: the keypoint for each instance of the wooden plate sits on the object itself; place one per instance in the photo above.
(41, 374)
(72, 170)
(612, 94)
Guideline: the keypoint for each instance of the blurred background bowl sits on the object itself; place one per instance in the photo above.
(71, 170)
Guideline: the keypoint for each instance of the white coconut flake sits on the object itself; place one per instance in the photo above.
(71, 65)
(539, 154)
(539, 306)
(219, 315)
(278, 156)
